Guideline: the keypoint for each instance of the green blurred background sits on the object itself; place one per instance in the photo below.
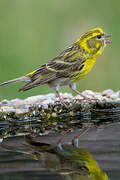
(34, 31)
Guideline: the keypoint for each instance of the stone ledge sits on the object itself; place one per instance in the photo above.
(44, 113)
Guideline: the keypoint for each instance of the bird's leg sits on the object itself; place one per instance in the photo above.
(64, 133)
(73, 87)
(60, 97)
(59, 143)
(76, 138)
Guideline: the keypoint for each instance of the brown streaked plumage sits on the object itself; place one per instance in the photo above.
(70, 66)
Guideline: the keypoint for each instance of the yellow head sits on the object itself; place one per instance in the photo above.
(94, 41)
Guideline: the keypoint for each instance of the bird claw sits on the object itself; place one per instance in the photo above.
(62, 102)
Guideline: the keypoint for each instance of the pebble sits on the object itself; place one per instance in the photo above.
(22, 106)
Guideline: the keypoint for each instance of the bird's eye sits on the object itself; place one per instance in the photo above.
(99, 36)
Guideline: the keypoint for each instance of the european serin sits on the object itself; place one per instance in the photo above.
(70, 66)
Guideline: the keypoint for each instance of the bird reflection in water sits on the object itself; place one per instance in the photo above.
(67, 159)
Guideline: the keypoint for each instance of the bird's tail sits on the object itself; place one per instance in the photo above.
(20, 79)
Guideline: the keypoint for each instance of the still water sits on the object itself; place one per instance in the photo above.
(23, 158)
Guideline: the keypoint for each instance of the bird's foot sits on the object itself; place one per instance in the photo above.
(61, 100)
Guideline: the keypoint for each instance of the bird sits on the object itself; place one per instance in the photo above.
(70, 160)
(70, 66)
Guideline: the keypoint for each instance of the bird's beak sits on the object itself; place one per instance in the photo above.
(106, 40)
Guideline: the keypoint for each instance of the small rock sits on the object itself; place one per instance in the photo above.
(17, 103)
(5, 102)
(115, 95)
(107, 92)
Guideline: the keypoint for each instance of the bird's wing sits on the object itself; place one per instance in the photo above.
(68, 61)
(62, 66)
